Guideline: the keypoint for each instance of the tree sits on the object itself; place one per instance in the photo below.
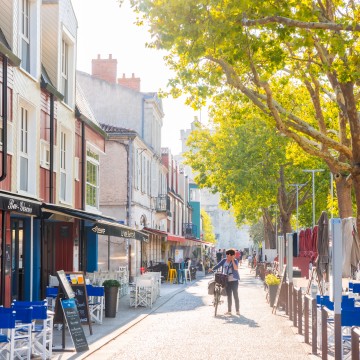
(208, 229)
(247, 163)
(276, 54)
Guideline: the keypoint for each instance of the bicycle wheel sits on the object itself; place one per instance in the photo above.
(216, 298)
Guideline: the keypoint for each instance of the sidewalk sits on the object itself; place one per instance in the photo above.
(256, 311)
(126, 317)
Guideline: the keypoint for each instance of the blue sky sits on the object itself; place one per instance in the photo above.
(106, 28)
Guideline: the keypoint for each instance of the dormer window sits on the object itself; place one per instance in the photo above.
(28, 36)
(67, 75)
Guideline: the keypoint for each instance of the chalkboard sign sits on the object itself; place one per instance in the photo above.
(73, 321)
(81, 302)
(74, 287)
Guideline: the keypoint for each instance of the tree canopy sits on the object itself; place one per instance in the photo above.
(297, 62)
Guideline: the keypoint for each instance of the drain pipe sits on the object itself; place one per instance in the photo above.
(51, 180)
(82, 242)
(5, 111)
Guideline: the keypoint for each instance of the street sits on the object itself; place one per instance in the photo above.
(185, 328)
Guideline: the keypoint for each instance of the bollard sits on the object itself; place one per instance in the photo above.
(324, 333)
(300, 311)
(306, 319)
(294, 298)
(290, 290)
(314, 326)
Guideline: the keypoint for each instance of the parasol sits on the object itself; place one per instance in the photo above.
(322, 261)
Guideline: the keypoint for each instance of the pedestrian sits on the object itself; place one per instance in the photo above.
(229, 267)
(219, 255)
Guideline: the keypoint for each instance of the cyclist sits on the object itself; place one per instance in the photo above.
(230, 267)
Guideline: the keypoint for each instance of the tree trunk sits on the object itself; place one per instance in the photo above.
(343, 191)
(356, 182)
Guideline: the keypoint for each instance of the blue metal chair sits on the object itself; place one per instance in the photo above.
(7, 326)
(20, 336)
(42, 326)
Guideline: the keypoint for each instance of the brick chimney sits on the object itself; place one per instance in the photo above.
(131, 83)
(105, 69)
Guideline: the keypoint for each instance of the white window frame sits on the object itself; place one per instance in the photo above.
(93, 159)
(44, 154)
(65, 166)
(67, 67)
(27, 148)
(29, 36)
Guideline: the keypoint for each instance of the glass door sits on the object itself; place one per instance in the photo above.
(17, 263)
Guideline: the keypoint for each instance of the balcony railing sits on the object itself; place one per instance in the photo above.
(189, 230)
(162, 203)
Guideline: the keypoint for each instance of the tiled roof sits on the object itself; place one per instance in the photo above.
(116, 129)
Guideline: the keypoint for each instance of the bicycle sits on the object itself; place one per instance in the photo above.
(217, 296)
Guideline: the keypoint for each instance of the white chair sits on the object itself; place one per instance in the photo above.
(144, 292)
(96, 302)
(188, 271)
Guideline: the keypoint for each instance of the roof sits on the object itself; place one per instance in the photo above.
(111, 129)
(5, 49)
(83, 105)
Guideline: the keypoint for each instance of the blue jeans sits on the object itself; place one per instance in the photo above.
(232, 288)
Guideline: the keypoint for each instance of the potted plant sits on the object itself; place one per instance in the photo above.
(273, 282)
(111, 288)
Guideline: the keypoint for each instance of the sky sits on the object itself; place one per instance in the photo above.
(106, 28)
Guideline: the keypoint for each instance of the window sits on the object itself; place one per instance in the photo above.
(65, 70)
(77, 169)
(63, 164)
(25, 35)
(24, 155)
(44, 154)
(92, 179)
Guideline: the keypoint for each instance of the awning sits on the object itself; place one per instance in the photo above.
(176, 238)
(103, 225)
(155, 232)
(20, 204)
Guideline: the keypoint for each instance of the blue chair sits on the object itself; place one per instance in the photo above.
(96, 295)
(7, 326)
(42, 326)
(20, 336)
(51, 295)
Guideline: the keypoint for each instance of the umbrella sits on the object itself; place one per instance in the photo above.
(322, 261)
(355, 249)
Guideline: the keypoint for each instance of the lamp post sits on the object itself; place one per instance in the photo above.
(297, 203)
(313, 190)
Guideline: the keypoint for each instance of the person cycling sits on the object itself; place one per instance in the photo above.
(230, 267)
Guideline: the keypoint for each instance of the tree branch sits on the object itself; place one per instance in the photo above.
(301, 24)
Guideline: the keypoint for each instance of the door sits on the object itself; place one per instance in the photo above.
(17, 263)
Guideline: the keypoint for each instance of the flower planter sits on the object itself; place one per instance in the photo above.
(272, 294)
(111, 294)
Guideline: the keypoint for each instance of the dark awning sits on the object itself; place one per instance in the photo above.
(20, 204)
(103, 225)
(155, 232)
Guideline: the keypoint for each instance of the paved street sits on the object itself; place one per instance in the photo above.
(184, 327)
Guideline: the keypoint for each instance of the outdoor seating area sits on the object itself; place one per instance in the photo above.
(145, 289)
(26, 330)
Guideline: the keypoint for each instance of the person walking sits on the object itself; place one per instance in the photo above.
(230, 267)
(219, 255)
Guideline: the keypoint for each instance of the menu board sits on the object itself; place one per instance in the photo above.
(73, 321)
(74, 287)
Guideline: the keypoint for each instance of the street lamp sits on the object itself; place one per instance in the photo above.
(313, 190)
(297, 203)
